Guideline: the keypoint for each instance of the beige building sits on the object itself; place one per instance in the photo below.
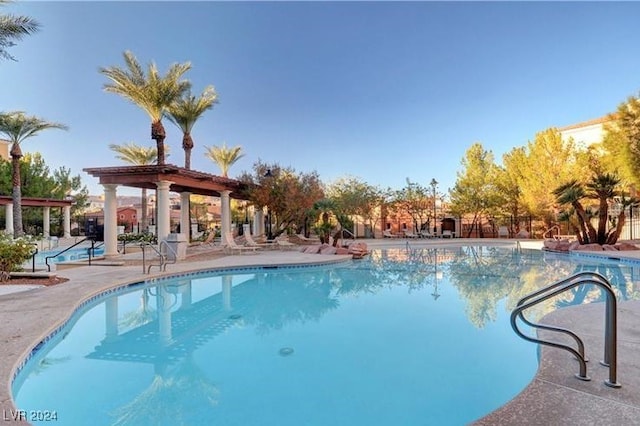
(4, 149)
(586, 132)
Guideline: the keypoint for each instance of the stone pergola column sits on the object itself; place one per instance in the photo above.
(226, 215)
(185, 222)
(258, 222)
(8, 219)
(46, 219)
(66, 222)
(110, 220)
(163, 211)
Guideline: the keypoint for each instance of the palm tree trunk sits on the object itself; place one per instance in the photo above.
(158, 134)
(17, 196)
(613, 237)
(187, 145)
(602, 220)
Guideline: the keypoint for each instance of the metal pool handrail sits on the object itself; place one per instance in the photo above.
(91, 252)
(554, 289)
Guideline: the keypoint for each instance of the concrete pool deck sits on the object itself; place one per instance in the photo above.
(553, 397)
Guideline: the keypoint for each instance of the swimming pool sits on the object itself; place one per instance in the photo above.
(403, 337)
(76, 253)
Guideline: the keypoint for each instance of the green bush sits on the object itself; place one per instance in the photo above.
(130, 237)
(13, 254)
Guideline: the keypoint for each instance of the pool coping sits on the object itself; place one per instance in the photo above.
(552, 397)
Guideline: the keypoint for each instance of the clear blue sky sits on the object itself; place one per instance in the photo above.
(382, 91)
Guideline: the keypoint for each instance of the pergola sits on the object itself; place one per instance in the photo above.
(164, 179)
(46, 204)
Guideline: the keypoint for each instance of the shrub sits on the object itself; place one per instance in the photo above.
(13, 254)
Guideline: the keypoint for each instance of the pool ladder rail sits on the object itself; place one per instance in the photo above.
(610, 338)
(166, 256)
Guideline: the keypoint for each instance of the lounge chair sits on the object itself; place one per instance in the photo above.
(315, 240)
(284, 244)
(232, 246)
(409, 234)
(425, 234)
(250, 242)
(388, 234)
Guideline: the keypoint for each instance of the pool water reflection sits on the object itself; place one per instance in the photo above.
(401, 337)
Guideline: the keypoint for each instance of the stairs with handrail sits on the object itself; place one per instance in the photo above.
(558, 287)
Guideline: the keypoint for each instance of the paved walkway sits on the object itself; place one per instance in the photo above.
(554, 397)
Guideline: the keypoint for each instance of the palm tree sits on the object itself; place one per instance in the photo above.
(139, 156)
(186, 111)
(13, 28)
(224, 157)
(17, 126)
(151, 92)
(571, 193)
(603, 188)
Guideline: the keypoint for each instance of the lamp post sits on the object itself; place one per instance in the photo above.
(269, 175)
(434, 186)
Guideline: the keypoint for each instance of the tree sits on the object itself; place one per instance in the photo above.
(474, 191)
(571, 193)
(16, 126)
(603, 187)
(288, 195)
(415, 200)
(224, 157)
(151, 92)
(13, 28)
(621, 142)
(355, 197)
(38, 181)
(140, 156)
(545, 163)
(186, 111)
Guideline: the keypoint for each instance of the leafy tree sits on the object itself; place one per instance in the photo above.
(151, 91)
(621, 142)
(13, 28)
(224, 157)
(416, 201)
(475, 190)
(186, 111)
(39, 181)
(288, 195)
(139, 156)
(17, 127)
(542, 165)
(355, 197)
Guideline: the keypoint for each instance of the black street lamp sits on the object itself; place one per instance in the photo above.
(434, 186)
(269, 175)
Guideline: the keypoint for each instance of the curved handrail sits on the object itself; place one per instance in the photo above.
(559, 283)
(91, 252)
(162, 256)
(610, 326)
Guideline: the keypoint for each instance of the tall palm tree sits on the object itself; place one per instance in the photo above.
(139, 156)
(17, 126)
(603, 188)
(13, 28)
(151, 92)
(186, 111)
(224, 157)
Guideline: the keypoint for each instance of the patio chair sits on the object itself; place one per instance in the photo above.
(503, 231)
(232, 246)
(447, 234)
(387, 234)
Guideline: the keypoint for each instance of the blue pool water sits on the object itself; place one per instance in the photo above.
(406, 337)
(77, 253)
